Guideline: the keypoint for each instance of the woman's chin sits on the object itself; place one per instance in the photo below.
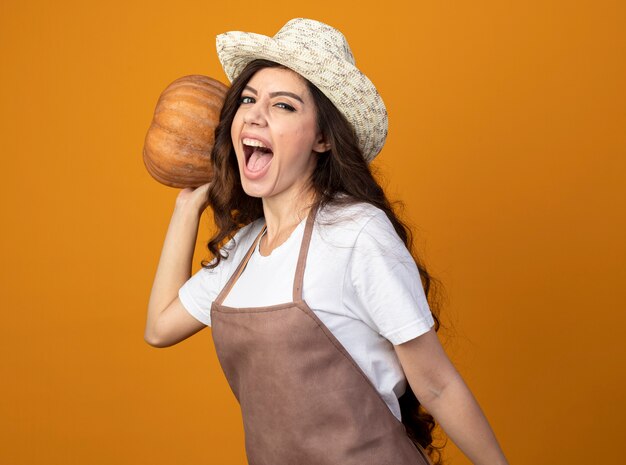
(253, 191)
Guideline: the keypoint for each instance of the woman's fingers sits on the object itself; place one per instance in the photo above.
(196, 197)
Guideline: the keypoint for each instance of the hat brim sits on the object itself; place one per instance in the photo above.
(343, 83)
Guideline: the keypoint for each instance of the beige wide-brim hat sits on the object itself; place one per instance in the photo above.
(319, 53)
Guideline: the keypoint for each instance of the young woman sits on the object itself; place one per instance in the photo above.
(318, 311)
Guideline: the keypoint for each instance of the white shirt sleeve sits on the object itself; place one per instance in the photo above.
(199, 292)
(385, 283)
(201, 289)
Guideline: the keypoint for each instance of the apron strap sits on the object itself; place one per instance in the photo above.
(231, 282)
(304, 248)
(299, 277)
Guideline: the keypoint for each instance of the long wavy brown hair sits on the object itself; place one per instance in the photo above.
(341, 177)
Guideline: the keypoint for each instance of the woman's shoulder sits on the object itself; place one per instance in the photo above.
(249, 231)
(348, 221)
(357, 213)
(246, 234)
(239, 243)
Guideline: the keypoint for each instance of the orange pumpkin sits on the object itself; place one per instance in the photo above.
(178, 145)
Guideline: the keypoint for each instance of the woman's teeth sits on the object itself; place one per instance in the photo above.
(254, 143)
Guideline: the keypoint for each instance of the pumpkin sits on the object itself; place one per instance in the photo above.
(177, 147)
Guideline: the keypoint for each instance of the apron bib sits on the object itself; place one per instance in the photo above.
(304, 400)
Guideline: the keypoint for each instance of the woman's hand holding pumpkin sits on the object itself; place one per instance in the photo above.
(194, 199)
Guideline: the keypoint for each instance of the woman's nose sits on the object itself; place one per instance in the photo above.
(255, 115)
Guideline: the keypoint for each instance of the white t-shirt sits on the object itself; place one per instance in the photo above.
(359, 279)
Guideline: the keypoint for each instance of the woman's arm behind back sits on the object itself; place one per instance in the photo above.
(444, 394)
(167, 321)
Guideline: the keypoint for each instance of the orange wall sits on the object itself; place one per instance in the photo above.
(507, 144)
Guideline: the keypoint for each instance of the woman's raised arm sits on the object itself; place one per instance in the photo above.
(167, 321)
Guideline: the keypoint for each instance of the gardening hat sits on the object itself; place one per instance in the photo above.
(319, 53)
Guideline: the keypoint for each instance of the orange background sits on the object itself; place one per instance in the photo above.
(507, 144)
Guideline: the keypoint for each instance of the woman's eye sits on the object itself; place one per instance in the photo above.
(285, 106)
(246, 100)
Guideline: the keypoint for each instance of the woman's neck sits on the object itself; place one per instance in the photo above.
(282, 215)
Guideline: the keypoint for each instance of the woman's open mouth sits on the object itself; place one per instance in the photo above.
(257, 154)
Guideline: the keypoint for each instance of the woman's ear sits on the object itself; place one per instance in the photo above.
(321, 144)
